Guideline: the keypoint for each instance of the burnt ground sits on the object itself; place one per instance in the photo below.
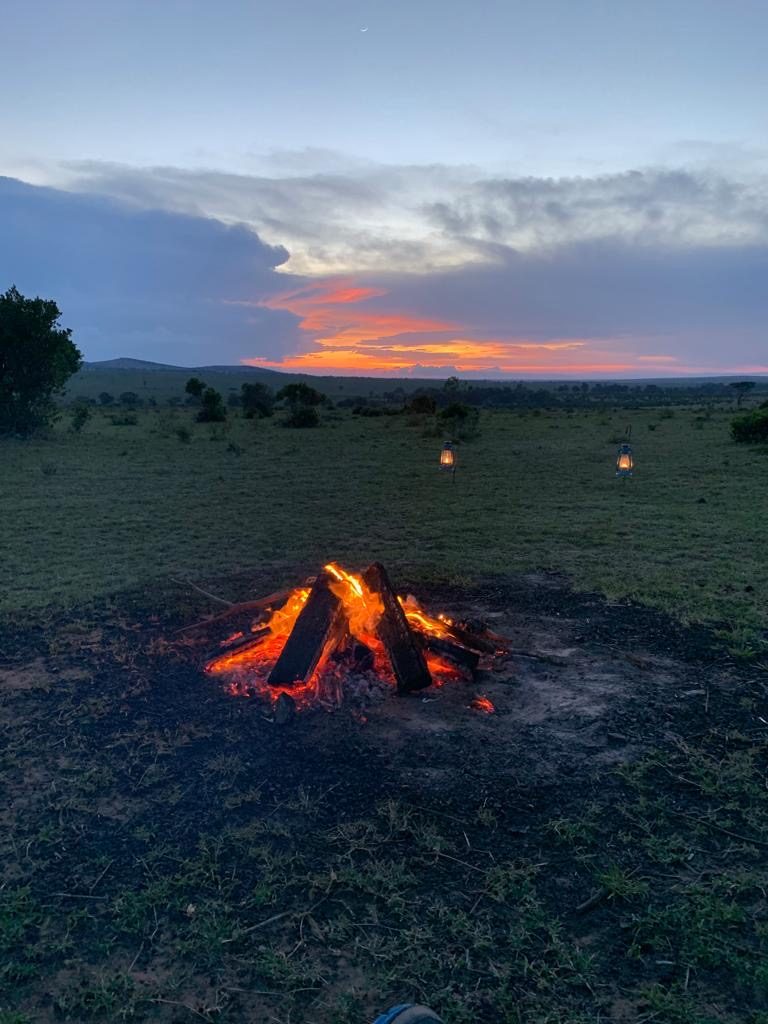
(596, 849)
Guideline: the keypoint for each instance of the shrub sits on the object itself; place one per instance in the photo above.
(130, 398)
(195, 387)
(422, 405)
(128, 419)
(752, 427)
(462, 420)
(300, 394)
(105, 398)
(257, 400)
(213, 410)
(80, 416)
(302, 416)
(184, 434)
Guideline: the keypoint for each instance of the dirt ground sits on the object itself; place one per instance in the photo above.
(594, 849)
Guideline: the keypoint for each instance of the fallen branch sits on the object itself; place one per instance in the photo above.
(205, 593)
(241, 607)
(594, 900)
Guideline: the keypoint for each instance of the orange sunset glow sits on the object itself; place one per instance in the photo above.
(348, 335)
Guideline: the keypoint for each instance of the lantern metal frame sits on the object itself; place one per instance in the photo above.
(625, 449)
(448, 467)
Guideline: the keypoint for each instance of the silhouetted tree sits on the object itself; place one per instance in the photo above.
(213, 410)
(129, 398)
(37, 357)
(195, 387)
(300, 394)
(302, 401)
(105, 398)
(742, 388)
(422, 404)
(258, 400)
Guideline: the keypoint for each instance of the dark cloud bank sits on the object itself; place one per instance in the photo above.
(144, 283)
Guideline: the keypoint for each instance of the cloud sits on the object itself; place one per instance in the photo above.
(353, 216)
(148, 283)
(432, 270)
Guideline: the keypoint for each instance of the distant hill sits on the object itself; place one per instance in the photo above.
(162, 381)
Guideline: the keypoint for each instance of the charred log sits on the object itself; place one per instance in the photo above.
(319, 627)
(405, 654)
(456, 653)
(239, 646)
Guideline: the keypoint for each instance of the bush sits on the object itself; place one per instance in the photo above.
(752, 427)
(80, 416)
(257, 400)
(213, 410)
(300, 394)
(302, 416)
(461, 420)
(183, 434)
(195, 387)
(129, 419)
(422, 405)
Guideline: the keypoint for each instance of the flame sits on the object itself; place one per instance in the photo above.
(483, 704)
(248, 668)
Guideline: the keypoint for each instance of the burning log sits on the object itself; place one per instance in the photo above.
(461, 656)
(244, 643)
(405, 654)
(473, 640)
(320, 626)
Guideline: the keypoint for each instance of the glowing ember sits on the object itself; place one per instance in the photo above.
(483, 704)
(249, 657)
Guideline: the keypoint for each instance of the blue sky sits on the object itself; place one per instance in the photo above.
(499, 147)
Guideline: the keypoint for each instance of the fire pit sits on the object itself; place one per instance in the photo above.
(309, 642)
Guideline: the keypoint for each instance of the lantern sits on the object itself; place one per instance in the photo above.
(625, 461)
(448, 457)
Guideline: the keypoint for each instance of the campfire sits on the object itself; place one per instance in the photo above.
(308, 642)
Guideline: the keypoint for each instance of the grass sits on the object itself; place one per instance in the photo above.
(167, 859)
(128, 504)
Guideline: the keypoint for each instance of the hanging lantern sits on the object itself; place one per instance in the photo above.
(625, 461)
(448, 457)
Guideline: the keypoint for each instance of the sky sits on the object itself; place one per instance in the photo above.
(559, 188)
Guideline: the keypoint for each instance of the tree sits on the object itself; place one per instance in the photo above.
(302, 402)
(195, 387)
(105, 398)
(752, 427)
(129, 398)
(300, 394)
(452, 385)
(742, 388)
(258, 400)
(81, 413)
(37, 357)
(423, 405)
(213, 410)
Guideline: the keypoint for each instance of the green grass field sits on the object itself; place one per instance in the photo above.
(168, 854)
(122, 505)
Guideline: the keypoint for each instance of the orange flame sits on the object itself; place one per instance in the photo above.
(483, 704)
(249, 667)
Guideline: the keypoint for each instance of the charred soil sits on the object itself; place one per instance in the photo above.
(595, 845)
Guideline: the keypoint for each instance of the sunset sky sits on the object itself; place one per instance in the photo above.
(393, 187)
